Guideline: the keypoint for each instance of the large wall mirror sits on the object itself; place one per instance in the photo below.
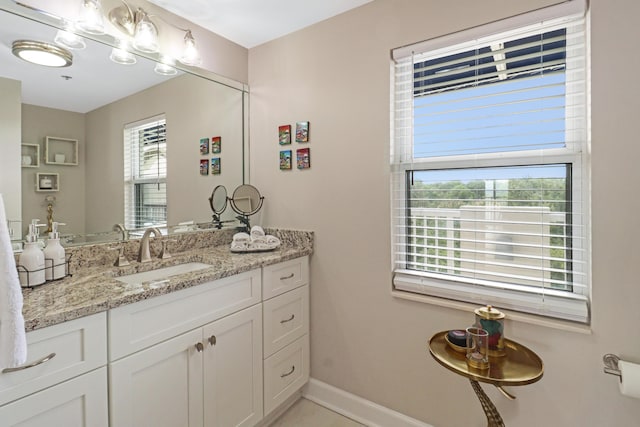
(91, 102)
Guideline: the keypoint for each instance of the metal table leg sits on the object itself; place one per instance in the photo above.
(493, 416)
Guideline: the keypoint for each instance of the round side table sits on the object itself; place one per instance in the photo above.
(520, 366)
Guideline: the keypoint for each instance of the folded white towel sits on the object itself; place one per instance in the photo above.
(241, 237)
(256, 231)
(13, 340)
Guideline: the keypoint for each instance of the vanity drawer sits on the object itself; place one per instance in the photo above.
(140, 325)
(285, 373)
(280, 278)
(286, 318)
(79, 346)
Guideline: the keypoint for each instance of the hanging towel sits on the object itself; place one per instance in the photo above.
(13, 340)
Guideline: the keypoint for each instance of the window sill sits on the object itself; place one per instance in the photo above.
(510, 315)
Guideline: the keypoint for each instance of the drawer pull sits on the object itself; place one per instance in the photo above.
(287, 277)
(199, 347)
(30, 365)
(289, 319)
(293, 368)
(212, 340)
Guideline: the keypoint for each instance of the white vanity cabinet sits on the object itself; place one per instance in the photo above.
(195, 357)
(64, 381)
(286, 330)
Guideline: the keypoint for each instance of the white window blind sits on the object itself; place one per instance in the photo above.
(145, 170)
(489, 176)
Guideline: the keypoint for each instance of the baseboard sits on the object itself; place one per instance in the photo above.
(355, 407)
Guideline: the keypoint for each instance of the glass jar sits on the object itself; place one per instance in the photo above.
(492, 320)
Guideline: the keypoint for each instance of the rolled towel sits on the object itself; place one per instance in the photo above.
(239, 246)
(272, 240)
(13, 340)
(256, 231)
(241, 237)
(260, 239)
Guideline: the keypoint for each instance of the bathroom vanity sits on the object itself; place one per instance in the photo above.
(221, 346)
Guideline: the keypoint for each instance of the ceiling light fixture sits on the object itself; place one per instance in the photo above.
(42, 53)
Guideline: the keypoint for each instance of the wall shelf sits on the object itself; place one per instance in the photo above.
(60, 151)
(30, 157)
(47, 182)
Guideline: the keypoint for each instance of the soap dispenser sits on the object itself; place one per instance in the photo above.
(32, 258)
(54, 255)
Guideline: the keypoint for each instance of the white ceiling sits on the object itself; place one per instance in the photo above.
(93, 80)
(250, 23)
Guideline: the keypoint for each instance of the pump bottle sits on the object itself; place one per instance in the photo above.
(54, 255)
(32, 259)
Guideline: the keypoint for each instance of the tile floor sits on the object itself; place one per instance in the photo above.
(305, 413)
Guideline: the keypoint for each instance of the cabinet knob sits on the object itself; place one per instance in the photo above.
(293, 368)
(212, 340)
(199, 347)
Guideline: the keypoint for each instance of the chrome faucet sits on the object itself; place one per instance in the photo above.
(144, 255)
(121, 228)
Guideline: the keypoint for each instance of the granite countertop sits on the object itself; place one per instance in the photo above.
(94, 289)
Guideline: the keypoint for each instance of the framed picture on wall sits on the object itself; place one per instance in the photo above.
(216, 144)
(284, 134)
(215, 166)
(204, 167)
(285, 160)
(204, 145)
(303, 157)
(302, 132)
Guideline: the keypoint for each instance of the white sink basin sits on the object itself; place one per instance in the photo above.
(162, 273)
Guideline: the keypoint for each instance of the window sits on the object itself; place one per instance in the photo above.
(489, 165)
(145, 173)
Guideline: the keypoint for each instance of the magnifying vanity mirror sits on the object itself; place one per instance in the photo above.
(80, 113)
(218, 203)
(246, 201)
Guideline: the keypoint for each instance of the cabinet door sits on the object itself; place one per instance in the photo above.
(160, 386)
(233, 369)
(80, 402)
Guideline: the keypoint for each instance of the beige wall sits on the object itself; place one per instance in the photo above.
(208, 110)
(10, 148)
(38, 123)
(336, 74)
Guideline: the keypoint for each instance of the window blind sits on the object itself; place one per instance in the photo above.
(489, 178)
(145, 168)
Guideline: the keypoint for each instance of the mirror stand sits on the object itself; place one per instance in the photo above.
(246, 201)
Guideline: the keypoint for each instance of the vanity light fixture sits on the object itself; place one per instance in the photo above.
(69, 40)
(190, 55)
(42, 53)
(164, 68)
(121, 55)
(91, 20)
(144, 33)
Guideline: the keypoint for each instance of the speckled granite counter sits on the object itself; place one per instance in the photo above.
(93, 287)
